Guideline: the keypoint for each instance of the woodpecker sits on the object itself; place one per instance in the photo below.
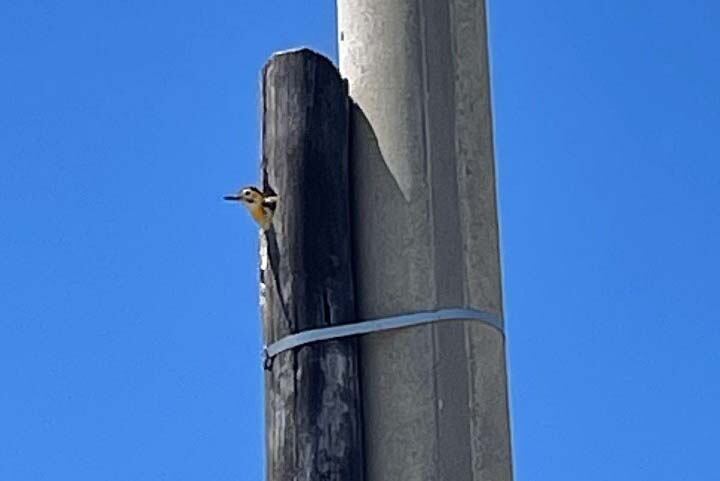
(261, 205)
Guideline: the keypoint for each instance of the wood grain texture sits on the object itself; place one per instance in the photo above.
(312, 392)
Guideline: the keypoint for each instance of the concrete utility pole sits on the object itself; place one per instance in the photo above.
(313, 421)
(426, 237)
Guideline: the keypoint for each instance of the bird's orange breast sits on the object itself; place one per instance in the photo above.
(257, 213)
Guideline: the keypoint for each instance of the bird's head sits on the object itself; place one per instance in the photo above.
(249, 196)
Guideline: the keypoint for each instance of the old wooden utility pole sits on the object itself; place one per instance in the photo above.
(312, 392)
(425, 226)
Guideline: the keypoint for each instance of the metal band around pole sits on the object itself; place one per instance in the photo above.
(378, 325)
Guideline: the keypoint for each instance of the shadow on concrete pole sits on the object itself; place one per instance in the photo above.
(426, 237)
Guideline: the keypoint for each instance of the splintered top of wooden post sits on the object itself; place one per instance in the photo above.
(305, 52)
(286, 59)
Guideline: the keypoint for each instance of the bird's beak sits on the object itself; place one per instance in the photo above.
(232, 197)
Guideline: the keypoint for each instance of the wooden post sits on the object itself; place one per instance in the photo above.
(312, 392)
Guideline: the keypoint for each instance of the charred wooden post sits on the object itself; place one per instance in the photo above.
(312, 392)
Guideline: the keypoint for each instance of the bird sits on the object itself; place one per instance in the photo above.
(261, 205)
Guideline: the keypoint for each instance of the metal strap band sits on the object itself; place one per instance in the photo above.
(377, 325)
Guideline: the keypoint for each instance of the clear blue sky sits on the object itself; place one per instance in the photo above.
(129, 332)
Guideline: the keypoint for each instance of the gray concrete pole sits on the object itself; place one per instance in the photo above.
(426, 237)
